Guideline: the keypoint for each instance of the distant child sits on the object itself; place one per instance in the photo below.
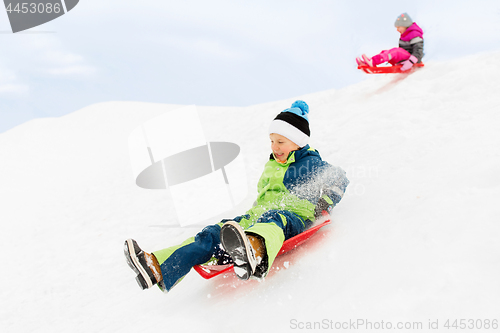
(410, 50)
(294, 190)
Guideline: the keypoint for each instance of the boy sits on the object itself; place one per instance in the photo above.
(296, 187)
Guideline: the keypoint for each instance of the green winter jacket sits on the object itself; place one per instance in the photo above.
(294, 186)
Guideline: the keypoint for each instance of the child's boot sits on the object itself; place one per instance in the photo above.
(259, 248)
(360, 62)
(367, 60)
(144, 264)
(247, 251)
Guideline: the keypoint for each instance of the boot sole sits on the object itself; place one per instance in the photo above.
(233, 240)
(132, 250)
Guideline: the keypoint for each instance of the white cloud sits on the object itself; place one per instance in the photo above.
(13, 90)
(6, 75)
(44, 54)
(56, 60)
(61, 57)
(206, 46)
(10, 87)
(59, 62)
(71, 70)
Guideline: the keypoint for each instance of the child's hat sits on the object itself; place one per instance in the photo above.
(403, 20)
(293, 123)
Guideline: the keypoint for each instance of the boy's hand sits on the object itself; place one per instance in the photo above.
(325, 204)
(407, 64)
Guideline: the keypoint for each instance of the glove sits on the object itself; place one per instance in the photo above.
(407, 64)
(324, 206)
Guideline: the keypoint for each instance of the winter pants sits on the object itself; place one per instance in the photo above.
(274, 226)
(393, 56)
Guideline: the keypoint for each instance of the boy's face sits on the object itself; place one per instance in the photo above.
(281, 146)
(401, 30)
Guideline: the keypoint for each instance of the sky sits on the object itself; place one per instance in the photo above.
(217, 53)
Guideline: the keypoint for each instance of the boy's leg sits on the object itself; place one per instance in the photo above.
(276, 226)
(272, 229)
(177, 261)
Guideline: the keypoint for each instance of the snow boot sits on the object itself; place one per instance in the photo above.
(247, 251)
(259, 248)
(367, 60)
(144, 264)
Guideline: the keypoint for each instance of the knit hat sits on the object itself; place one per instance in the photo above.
(403, 20)
(293, 123)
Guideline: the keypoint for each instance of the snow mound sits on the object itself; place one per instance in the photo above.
(414, 239)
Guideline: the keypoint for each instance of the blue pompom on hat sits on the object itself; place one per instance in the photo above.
(293, 123)
(300, 108)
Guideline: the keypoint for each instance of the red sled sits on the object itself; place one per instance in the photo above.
(210, 271)
(388, 69)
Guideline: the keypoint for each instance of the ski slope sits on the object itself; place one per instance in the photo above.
(415, 239)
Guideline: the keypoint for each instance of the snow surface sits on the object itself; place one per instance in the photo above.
(414, 239)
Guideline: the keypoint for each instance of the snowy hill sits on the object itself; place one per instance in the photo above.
(414, 240)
